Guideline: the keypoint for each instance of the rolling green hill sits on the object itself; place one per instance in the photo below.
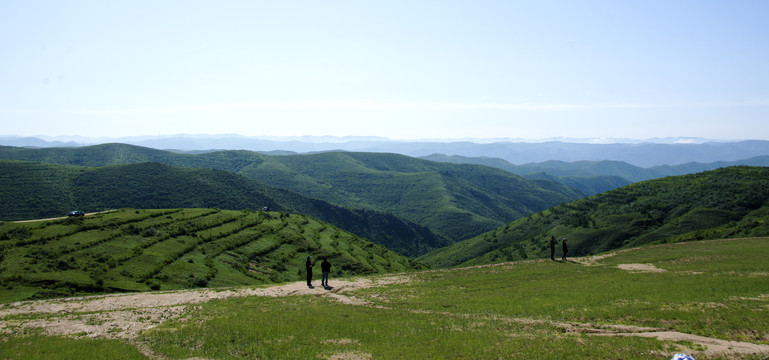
(593, 177)
(453, 201)
(728, 202)
(588, 185)
(34, 190)
(137, 250)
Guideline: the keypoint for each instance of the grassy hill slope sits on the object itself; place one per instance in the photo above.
(453, 201)
(33, 190)
(728, 202)
(137, 250)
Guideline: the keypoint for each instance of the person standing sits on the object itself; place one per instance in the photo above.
(565, 250)
(552, 248)
(325, 268)
(308, 265)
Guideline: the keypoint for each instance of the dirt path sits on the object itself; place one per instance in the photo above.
(123, 316)
(61, 217)
(712, 346)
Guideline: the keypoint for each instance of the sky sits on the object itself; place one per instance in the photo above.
(398, 69)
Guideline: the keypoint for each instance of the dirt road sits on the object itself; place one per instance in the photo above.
(125, 315)
(61, 217)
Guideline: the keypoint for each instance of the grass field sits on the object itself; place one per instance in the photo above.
(537, 309)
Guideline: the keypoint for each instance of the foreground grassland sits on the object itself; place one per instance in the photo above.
(538, 309)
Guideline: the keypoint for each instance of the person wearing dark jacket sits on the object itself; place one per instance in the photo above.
(565, 250)
(325, 268)
(552, 248)
(308, 265)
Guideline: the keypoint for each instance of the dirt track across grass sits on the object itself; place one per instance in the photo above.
(61, 217)
(124, 316)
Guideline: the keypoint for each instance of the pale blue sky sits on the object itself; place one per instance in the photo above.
(399, 69)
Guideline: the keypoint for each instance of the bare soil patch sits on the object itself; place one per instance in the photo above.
(640, 268)
(123, 316)
(712, 346)
(351, 356)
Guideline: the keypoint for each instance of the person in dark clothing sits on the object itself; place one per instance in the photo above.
(565, 250)
(552, 248)
(308, 265)
(325, 268)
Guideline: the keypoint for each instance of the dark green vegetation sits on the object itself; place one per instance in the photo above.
(626, 171)
(138, 250)
(453, 201)
(34, 190)
(523, 310)
(594, 177)
(723, 203)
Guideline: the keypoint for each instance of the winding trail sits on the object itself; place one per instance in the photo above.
(123, 316)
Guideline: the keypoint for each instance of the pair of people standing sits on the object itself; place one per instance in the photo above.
(552, 249)
(325, 268)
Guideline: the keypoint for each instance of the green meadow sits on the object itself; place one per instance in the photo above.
(534, 309)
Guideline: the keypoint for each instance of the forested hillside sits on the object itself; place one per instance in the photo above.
(34, 190)
(593, 177)
(137, 250)
(723, 203)
(453, 201)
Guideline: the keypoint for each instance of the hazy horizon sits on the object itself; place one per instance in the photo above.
(353, 138)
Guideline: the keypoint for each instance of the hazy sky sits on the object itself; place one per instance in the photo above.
(399, 69)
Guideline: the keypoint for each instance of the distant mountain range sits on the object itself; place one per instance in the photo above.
(647, 154)
(594, 177)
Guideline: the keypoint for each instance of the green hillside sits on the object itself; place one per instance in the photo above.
(34, 190)
(137, 250)
(577, 172)
(584, 176)
(728, 202)
(453, 201)
(97, 155)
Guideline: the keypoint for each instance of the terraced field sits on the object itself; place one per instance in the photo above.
(138, 250)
